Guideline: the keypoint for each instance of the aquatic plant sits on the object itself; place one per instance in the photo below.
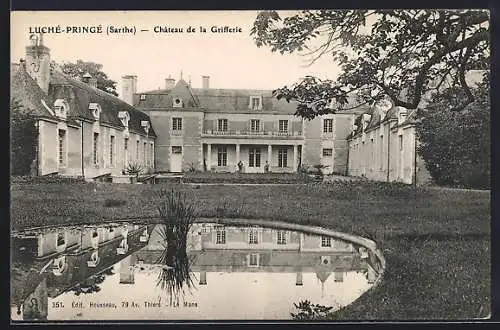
(177, 215)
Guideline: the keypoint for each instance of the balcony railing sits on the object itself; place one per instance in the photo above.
(251, 133)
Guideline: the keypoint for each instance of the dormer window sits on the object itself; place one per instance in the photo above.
(146, 125)
(96, 110)
(61, 108)
(59, 265)
(366, 120)
(255, 103)
(402, 116)
(177, 102)
(124, 117)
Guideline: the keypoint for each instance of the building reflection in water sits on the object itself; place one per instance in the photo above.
(46, 263)
(94, 253)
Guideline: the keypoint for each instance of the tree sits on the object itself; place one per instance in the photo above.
(456, 145)
(80, 68)
(397, 54)
(23, 139)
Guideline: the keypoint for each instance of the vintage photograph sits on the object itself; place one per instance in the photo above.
(250, 165)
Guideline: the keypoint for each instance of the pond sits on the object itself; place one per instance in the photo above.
(121, 272)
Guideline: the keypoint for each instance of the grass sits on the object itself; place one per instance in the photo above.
(436, 242)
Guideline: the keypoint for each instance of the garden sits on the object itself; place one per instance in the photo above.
(436, 242)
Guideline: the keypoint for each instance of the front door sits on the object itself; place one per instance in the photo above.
(254, 160)
(176, 159)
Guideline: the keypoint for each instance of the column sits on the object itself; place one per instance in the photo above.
(209, 156)
(126, 271)
(269, 154)
(203, 278)
(298, 280)
(295, 157)
(237, 155)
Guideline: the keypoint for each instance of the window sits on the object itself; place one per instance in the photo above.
(328, 125)
(60, 239)
(283, 126)
(281, 237)
(125, 144)
(111, 149)
(253, 260)
(282, 157)
(177, 124)
(400, 142)
(255, 125)
(373, 151)
(96, 148)
(176, 149)
(220, 235)
(151, 154)
(327, 152)
(254, 157)
(62, 147)
(137, 150)
(222, 156)
(255, 103)
(143, 97)
(253, 237)
(222, 125)
(326, 241)
(381, 152)
(144, 152)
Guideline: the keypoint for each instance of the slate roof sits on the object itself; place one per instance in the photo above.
(79, 95)
(216, 100)
(27, 92)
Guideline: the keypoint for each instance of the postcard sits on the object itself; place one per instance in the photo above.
(250, 165)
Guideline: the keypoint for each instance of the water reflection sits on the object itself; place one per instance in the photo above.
(217, 272)
(46, 263)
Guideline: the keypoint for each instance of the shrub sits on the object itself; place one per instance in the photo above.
(24, 138)
(309, 311)
(134, 169)
(456, 144)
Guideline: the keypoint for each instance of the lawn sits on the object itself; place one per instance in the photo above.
(436, 242)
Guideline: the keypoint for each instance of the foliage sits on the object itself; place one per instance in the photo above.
(177, 216)
(396, 54)
(310, 311)
(23, 139)
(80, 68)
(456, 145)
(134, 169)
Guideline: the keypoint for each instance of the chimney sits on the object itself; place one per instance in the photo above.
(129, 88)
(205, 82)
(38, 61)
(169, 82)
(93, 82)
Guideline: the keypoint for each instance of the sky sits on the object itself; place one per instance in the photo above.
(232, 60)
